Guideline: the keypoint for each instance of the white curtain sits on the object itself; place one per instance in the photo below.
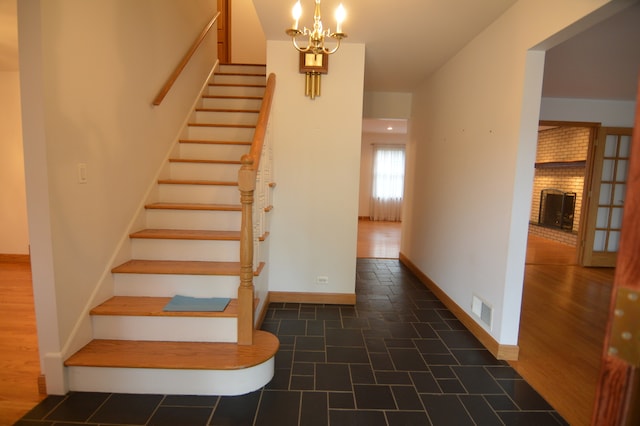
(388, 183)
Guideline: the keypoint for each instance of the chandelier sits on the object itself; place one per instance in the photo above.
(314, 59)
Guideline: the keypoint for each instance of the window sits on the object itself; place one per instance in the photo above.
(388, 183)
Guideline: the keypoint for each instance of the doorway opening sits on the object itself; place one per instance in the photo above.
(382, 175)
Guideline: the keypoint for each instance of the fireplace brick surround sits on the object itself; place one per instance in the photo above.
(559, 152)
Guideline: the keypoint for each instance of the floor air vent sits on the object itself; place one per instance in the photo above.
(482, 310)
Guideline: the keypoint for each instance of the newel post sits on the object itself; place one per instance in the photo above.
(246, 185)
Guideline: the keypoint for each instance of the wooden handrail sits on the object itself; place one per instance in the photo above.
(176, 73)
(263, 120)
(247, 186)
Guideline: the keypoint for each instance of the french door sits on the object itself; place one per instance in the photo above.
(606, 197)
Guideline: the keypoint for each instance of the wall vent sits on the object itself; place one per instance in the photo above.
(482, 310)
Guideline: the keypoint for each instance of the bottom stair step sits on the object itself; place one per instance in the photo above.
(192, 368)
(176, 355)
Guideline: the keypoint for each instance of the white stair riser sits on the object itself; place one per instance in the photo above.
(203, 194)
(235, 90)
(235, 103)
(193, 219)
(170, 382)
(239, 79)
(209, 151)
(243, 69)
(188, 250)
(227, 117)
(168, 285)
(165, 329)
(220, 133)
(204, 171)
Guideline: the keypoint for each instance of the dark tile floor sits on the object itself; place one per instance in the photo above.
(398, 357)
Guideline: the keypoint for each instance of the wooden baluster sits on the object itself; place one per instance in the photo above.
(246, 184)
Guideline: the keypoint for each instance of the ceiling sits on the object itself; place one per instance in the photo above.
(408, 42)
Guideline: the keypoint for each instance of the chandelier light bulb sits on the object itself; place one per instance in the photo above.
(340, 15)
(296, 12)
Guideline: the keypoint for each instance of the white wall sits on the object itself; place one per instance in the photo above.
(607, 112)
(387, 105)
(14, 234)
(473, 140)
(316, 168)
(248, 43)
(89, 72)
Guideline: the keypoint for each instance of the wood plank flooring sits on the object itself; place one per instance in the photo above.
(378, 239)
(19, 361)
(561, 330)
(562, 326)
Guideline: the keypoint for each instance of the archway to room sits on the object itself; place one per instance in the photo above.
(565, 305)
(382, 166)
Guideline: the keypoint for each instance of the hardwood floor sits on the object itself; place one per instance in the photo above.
(562, 325)
(378, 239)
(19, 363)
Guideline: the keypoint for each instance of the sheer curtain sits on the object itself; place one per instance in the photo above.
(388, 183)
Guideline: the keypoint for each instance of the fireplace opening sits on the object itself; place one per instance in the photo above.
(557, 208)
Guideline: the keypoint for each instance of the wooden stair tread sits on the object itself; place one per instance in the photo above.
(195, 182)
(153, 307)
(214, 142)
(196, 161)
(251, 111)
(231, 97)
(176, 355)
(187, 234)
(194, 206)
(242, 74)
(238, 84)
(241, 126)
(181, 267)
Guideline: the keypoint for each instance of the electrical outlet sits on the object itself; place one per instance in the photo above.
(322, 280)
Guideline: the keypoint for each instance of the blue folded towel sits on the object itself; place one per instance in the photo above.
(196, 304)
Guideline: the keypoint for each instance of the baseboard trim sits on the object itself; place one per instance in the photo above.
(317, 298)
(15, 258)
(504, 352)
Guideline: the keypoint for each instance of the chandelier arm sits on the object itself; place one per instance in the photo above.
(298, 48)
(331, 51)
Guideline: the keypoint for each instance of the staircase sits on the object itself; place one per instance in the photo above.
(191, 247)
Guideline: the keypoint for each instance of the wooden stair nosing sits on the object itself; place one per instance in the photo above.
(153, 307)
(224, 125)
(196, 160)
(176, 355)
(196, 182)
(194, 206)
(181, 267)
(214, 142)
(232, 97)
(238, 84)
(249, 111)
(186, 234)
(241, 74)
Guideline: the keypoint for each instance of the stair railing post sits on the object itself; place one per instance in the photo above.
(246, 185)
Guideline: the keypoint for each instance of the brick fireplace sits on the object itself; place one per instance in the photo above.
(560, 165)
